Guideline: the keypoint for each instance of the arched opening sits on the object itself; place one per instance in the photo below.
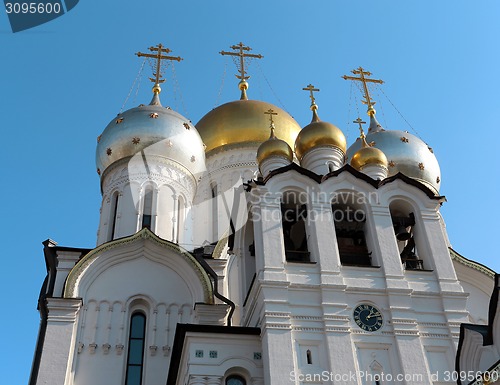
(248, 252)
(403, 221)
(215, 208)
(112, 215)
(293, 220)
(350, 220)
(180, 218)
(235, 379)
(136, 342)
(309, 357)
(147, 211)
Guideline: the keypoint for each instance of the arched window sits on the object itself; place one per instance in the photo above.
(136, 340)
(293, 218)
(215, 211)
(113, 213)
(147, 212)
(180, 218)
(350, 220)
(403, 221)
(235, 379)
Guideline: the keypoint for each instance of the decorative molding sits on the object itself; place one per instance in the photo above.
(105, 348)
(119, 349)
(92, 347)
(144, 234)
(472, 264)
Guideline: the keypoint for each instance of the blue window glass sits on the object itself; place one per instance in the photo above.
(136, 341)
(235, 380)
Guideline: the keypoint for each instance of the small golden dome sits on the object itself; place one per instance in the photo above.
(368, 155)
(318, 133)
(243, 122)
(274, 147)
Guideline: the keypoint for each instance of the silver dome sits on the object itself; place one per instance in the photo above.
(156, 129)
(405, 153)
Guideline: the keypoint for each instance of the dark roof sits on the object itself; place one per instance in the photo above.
(485, 330)
(180, 336)
(348, 168)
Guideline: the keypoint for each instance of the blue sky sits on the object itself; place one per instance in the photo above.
(62, 82)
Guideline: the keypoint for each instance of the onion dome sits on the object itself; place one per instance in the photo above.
(242, 123)
(274, 147)
(405, 153)
(154, 130)
(319, 134)
(367, 155)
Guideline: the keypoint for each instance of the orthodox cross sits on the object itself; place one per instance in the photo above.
(271, 112)
(362, 78)
(360, 122)
(311, 90)
(241, 52)
(157, 54)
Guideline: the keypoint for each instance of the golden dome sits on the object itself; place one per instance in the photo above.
(318, 133)
(243, 122)
(367, 155)
(274, 147)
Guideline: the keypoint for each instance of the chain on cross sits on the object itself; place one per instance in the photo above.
(242, 51)
(364, 79)
(158, 54)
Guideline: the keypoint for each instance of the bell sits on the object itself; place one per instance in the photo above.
(401, 233)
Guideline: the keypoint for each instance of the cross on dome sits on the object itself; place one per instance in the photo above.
(311, 90)
(241, 51)
(361, 131)
(271, 112)
(159, 50)
(363, 79)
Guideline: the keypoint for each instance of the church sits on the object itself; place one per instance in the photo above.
(247, 250)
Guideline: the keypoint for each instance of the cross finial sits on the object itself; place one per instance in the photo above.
(363, 78)
(361, 131)
(311, 90)
(157, 54)
(362, 135)
(241, 51)
(271, 112)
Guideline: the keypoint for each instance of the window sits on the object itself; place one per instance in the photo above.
(350, 229)
(135, 360)
(293, 216)
(404, 226)
(309, 357)
(148, 209)
(215, 212)
(113, 213)
(235, 380)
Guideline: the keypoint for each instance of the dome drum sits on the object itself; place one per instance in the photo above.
(273, 163)
(323, 159)
(375, 171)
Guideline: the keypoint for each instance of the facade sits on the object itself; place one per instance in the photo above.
(248, 250)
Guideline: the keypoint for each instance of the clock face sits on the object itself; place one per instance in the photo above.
(368, 317)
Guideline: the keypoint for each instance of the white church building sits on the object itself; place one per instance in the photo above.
(317, 263)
